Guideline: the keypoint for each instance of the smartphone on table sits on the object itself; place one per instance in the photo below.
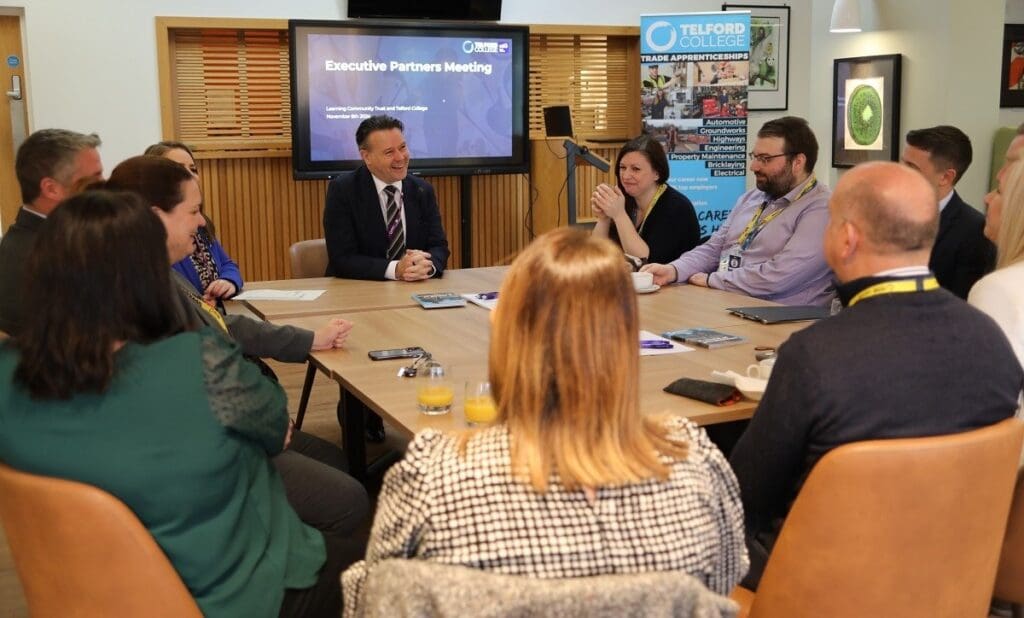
(411, 352)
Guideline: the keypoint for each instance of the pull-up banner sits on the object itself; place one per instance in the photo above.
(693, 98)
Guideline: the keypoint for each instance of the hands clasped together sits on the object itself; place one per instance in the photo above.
(608, 202)
(415, 265)
(331, 335)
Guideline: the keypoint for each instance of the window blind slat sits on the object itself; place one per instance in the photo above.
(231, 85)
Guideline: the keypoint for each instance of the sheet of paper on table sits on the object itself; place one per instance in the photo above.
(677, 347)
(279, 295)
(487, 300)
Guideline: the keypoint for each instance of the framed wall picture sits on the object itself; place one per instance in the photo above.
(865, 109)
(768, 79)
(1011, 89)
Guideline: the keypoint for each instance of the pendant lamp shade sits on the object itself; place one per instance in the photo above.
(845, 16)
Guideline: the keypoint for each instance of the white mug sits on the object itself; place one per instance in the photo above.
(762, 369)
(642, 281)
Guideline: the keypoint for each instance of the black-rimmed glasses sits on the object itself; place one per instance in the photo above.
(764, 159)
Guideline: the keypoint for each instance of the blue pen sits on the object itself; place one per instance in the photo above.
(487, 295)
(655, 344)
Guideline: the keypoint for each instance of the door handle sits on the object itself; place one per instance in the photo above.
(15, 92)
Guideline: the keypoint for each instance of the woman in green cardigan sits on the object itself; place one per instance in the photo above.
(104, 386)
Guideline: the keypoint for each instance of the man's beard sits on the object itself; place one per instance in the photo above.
(778, 185)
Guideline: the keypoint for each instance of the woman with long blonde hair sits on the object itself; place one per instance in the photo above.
(1001, 293)
(572, 480)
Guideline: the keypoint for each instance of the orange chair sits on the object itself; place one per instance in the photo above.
(907, 527)
(1010, 577)
(309, 259)
(80, 552)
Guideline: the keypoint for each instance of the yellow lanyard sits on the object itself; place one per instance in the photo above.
(900, 286)
(210, 310)
(756, 224)
(650, 207)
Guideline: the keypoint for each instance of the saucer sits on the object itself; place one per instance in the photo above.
(654, 288)
(751, 388)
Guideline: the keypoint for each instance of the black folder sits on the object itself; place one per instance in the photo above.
(780, 314)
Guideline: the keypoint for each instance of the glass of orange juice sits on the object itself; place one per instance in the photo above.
(479, 404)
(435, 392)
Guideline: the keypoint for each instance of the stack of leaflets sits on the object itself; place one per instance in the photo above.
(704, 337)
(439, 300)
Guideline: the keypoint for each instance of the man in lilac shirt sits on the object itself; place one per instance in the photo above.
(770, 245)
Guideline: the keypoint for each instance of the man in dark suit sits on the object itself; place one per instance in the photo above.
(379, 222)
(961, 254)
(877, 369)
(52, 164)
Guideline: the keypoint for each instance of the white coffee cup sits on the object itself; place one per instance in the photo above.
(643, 281)
(762, 369)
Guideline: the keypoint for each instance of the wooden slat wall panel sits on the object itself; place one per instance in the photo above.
(499, 213)
(259, 211)
(588, 73)
(449, 202)
(231, 85)
(588, 177)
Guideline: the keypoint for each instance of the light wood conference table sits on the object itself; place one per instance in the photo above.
(349, 295)
(459, 338)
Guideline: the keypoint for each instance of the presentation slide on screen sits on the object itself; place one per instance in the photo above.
(454, 94)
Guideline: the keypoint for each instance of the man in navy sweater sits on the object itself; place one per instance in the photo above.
(889, 365)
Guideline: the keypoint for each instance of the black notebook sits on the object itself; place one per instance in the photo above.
(778, 315)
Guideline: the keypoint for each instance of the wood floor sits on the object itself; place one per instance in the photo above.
(321, 420)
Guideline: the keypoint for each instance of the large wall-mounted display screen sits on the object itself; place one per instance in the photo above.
(460, 90)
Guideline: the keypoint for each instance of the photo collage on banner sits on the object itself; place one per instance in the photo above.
(694, 74)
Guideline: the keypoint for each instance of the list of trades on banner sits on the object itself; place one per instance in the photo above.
(693, 99)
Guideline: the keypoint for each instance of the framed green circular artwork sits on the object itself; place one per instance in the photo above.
(865, 113)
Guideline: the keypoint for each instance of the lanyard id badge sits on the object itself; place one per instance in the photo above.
(730, 260)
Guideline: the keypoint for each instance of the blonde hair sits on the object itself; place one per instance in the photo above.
(1010, 236)
(564, 366)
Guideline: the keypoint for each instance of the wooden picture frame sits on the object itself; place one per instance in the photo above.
(866, 109)
(768, 87)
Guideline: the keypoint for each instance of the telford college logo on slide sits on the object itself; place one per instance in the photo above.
(485, 47)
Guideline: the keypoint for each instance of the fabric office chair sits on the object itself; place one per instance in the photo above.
(420, 588)
(81, 552)
(906, 527)
(1010, 577)
(309, 259)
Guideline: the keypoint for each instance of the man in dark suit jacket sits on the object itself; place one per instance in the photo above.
(51, 165)
(365, 238)
(961, 254)
(877, 369)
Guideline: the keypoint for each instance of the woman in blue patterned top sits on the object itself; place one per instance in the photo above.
(210, 269)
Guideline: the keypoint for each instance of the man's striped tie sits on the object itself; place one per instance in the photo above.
(396, 233)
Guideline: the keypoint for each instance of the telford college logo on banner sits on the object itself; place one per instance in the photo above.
(693, 99)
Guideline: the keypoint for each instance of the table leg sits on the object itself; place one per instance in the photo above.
(353, 428)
